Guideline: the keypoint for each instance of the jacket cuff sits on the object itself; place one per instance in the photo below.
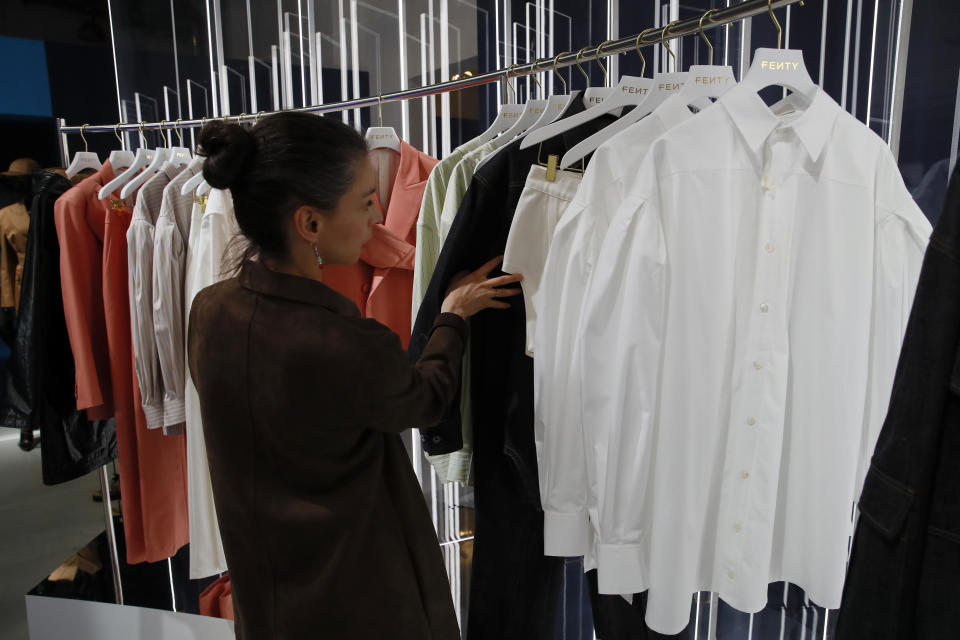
(621, 569)
(154, 415)
(566, 535)
(453, 321)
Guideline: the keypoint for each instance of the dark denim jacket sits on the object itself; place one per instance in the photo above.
(904, 576)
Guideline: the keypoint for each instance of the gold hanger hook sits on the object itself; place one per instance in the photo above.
(776, 23)
(556, 73)
(535, 78)
(606, 78)
(256, 120)
(143, 140)
(162, 135)
(663, 41)
(82, 137)
(180, 131)
(706, 16)
(380, 109)
(643, 69)
(116, 132)
(579, 66)
(510, 86)
(241, 117)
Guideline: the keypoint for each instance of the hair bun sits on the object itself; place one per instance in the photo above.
(228, 149)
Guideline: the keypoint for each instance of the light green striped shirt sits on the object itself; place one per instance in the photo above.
(456, 466)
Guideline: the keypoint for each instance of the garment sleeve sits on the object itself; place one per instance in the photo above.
(620, 355)
(558, 433)
(140, 279)
(902, 234)
(81, 267)
(428, 242)
(405, 395)
(169, 258)
(461, 252)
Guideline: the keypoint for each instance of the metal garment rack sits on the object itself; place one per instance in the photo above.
(706, 21)
(712, 19)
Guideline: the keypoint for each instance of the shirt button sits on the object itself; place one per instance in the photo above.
(757, 365)
(436, 438)
(731, 575)
(744, 475)
(764, 307)
(769, 248)
(751, 421)
(737, 528)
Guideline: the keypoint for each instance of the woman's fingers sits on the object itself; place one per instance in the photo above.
(506, 292)
(495, 304)
(507, 279)
(489, 266)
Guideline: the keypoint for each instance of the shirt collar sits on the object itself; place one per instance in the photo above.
(256, 277)
(755, 121)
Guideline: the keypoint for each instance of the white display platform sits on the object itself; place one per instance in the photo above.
(61, 619)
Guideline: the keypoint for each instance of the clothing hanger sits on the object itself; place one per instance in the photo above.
(120, 158)
(532, 111)
(593, 96)
(509, 113)
(83, 160)
(161, 156)
(780, 67)
(382, 137)
(197, 180)
(663, 86)
(707, 82)
(557, 103)
(630, 91)
(143, 158)
(179, 156)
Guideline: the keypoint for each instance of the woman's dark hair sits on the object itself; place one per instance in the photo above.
(285, 161)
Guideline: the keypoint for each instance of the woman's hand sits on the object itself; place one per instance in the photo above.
(471, 293)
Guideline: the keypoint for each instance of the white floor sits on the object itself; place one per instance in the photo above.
(40, 527)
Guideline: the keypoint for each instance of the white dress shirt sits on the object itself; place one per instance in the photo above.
(140, 278)
(212, 229)
(169, 263)
(567, 479)
(740, 336)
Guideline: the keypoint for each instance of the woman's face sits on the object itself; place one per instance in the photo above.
(350, 225)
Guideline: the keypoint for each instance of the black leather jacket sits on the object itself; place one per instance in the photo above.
(40, 386)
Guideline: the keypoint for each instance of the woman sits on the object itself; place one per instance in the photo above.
(324, 525)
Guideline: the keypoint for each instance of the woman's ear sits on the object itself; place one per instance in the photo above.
(308, 222)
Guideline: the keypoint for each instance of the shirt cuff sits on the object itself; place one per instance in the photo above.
(453, 321)
(174, 412)
(565, 535)
(621, 569)
(154, 415)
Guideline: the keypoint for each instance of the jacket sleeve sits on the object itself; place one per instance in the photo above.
(404, 395)
(81, 265)
(168, 276)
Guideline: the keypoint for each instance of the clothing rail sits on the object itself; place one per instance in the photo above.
(711, 20)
